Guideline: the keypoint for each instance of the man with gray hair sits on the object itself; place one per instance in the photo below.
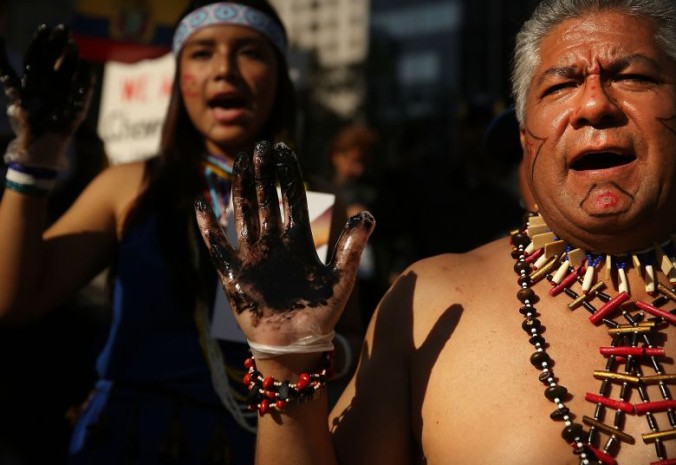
(555, 345)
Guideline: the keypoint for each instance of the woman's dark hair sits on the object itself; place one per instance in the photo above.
(174, 183)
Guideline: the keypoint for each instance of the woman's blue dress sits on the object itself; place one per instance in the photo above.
(154, 402)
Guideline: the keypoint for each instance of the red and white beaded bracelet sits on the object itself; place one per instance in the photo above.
(267, 393)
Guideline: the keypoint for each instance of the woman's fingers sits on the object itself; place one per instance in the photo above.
(244, 202)
(56, 46)
(351, 243)
(82, 88)
(222, 254)
(294, 198)
(56, 85)
(8, 76)
(37, 64)
(67, 66)
(266, 192)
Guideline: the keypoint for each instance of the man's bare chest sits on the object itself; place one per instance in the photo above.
(485, 400)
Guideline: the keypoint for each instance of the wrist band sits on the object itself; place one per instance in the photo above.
(37, 182)
(266, 393)
(306, 345)
(47, 153)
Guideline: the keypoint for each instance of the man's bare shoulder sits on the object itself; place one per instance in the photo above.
(447, 274)
(438, 286)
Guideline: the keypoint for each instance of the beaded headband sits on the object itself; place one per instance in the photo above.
(229, 13)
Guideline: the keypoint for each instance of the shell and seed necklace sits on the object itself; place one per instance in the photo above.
(635, 329)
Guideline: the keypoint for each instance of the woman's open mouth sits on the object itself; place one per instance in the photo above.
(227, 102)
(228, 109)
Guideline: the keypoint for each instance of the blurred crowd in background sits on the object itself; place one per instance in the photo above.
(403, 105)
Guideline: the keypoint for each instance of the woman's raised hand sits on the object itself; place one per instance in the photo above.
(280, 291)
(50, 99)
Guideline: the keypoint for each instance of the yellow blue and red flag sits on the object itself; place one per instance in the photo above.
(125, 30)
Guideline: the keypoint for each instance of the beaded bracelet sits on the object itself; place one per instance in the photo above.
(36, 182)
(267, 393)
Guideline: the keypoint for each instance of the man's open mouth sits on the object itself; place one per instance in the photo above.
(601, 161)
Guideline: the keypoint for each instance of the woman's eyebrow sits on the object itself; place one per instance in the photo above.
(200, 42)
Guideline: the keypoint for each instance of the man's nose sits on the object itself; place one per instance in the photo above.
(596, 105)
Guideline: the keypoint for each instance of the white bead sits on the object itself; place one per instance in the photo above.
(539, 263)
(588, 279)
(623, 285)
(561, 272)
(649, 278)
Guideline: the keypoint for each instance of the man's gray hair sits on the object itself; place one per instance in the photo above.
(551, 13)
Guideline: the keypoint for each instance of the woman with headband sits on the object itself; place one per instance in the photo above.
(166, 392)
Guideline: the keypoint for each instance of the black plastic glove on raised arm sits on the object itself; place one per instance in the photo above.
(278, 288)
(49, 101)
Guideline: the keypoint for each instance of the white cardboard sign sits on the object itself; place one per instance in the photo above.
(134, 101)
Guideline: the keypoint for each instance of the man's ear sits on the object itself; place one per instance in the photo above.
(522, 139)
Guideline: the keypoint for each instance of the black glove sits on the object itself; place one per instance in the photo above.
(49, 101)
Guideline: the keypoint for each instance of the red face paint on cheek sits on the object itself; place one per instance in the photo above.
(607, 200)
(189, 86)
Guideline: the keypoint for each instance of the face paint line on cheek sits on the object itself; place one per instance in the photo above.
(533, 150)
(669, 123)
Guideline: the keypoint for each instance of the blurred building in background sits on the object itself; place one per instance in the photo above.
(335, 33)
(422, 41)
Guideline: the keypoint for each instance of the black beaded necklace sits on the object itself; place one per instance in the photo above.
(539, 255)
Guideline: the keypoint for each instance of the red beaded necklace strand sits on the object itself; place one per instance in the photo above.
(539, 255)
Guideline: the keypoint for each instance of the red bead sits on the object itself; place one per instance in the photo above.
(247, 379)
(602, 456)
(566, 282)
(535, 255)
(248, 363)
(664, 462)
(303, 381)
(270, 394)
(671, 318)
(640, 351)
(612, 403)
(609, 307)
(280, 404)
(268, 382)
(264, 407)
(658, 406)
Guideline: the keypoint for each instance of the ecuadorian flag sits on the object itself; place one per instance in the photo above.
(124, 30)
